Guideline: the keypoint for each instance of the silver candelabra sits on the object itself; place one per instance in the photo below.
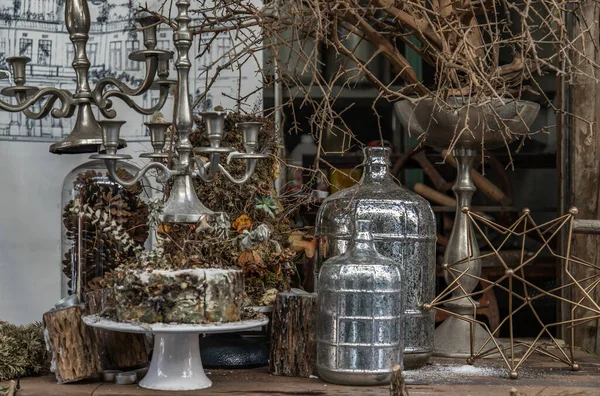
(90, 135)
(86, 135)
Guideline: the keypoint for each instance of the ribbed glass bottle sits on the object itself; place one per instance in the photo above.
(404, 231)
(360, 314)
(102, 224)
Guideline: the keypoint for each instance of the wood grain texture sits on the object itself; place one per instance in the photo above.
(72, 345)
(293, 336)
(542, 377)
(586, 227)
(398, 386)
(585, 168)
(117, 350)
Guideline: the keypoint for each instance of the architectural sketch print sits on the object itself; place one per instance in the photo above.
(36, 29)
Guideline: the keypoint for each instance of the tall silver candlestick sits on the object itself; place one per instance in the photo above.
(449, 336)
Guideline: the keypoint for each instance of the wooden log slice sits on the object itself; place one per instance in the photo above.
(397, 385)
(71, 344)
(118, 351)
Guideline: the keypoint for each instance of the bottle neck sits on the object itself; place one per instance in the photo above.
(376, 165)
(362, 245)
(362, 239)
(374, 173)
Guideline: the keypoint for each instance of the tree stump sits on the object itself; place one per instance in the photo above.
(118, 351)
(294, 335)
(71, 345)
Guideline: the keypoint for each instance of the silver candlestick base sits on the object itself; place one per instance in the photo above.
(451, 342)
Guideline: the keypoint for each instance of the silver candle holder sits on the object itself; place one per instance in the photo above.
(89, 134)
(183, 205)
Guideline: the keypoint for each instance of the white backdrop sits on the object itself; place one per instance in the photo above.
(30, 218)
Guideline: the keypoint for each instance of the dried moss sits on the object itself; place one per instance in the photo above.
(220, 195)
(22, 351)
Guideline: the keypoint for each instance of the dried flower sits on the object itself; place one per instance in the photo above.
(260, 234)
(269, 297)
(242, 223)
(252, 264)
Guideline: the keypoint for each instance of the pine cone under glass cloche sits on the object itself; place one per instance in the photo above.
(103, 223)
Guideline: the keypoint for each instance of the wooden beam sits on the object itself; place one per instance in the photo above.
(585, 155)
(586, 227)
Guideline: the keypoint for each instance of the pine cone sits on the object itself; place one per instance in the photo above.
(100, 251)
(95, 284)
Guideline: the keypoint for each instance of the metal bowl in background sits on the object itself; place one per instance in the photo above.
(462, 124)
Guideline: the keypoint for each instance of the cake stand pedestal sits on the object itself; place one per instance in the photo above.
(176, 364)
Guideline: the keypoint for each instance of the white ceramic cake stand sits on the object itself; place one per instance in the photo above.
(176, 363)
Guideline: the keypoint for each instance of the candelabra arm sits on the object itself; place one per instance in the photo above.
(66, 109)
(46, 108)
(164, 94)
(250, 165)
(202, 171)
(213, 165)
(101, 97)
(164, 172)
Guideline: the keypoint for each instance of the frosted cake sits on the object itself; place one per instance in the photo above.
(197, 295)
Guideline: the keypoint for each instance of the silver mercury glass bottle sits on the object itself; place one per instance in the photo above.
(360, 314)
(404, 231)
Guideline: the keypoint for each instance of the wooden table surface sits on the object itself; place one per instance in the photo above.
(539, 377)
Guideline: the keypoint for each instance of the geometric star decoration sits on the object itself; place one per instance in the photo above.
(522, 294)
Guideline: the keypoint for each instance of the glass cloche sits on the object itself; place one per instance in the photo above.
(103, 224)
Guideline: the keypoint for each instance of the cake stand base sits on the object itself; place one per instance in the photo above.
(176, 364)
